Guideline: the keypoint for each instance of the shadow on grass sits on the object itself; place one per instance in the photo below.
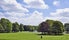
(51, 34)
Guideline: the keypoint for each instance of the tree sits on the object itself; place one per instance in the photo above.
(1, 29)
(15, 27)
(7, 25)
(31, 28)
(43, 27)
(3, 23)
(36, 28)
(50, 22)
(66, 26)
(21, 27)
(57, 27)
(26, 28)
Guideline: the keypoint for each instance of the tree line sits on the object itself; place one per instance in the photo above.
(6, 26)
(46, 27)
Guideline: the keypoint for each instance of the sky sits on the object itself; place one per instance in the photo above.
(33, 12)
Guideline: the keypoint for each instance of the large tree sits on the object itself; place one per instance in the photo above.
(7, 25)
(43, 27)
(57, 27)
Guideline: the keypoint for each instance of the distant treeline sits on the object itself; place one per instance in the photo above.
(46, 27)
(6, 26)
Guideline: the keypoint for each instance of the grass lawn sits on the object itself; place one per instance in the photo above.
(30, 36)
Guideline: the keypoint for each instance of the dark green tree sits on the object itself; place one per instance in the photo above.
(15, 27)
(57, 27)
(21, 27)
(7, 25)
(26, 28)
(66, 26)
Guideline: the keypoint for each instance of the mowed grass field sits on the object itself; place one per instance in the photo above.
(31, 36)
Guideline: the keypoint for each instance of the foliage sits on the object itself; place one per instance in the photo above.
(1, 28)
(51, 26)
(29, 28)
(7, 25)
(15, 27)
(21, 27)
(66, 26)
(43, 27)
(57, 27)
(50, 22)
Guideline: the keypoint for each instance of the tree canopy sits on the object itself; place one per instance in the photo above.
(51, 27)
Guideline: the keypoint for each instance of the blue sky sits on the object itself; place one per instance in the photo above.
(33, 12)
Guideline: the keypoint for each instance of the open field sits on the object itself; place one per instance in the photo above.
(31, 36)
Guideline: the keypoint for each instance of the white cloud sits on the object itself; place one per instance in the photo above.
(56, 3)
(38, 4)
(13, 16)
(13, 10)
(62, 14)
(12, 5)
(62, 19)
(53, 18)
(34, 19)
(2, 15)
(16, 13)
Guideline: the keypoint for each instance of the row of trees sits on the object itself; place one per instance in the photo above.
(7, 26)
(51, 27)
(47, 27)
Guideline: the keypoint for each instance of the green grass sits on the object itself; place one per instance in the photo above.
(30, 36)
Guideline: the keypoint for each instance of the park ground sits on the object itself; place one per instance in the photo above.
(31, 36)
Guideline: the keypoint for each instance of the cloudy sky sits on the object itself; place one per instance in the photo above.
(33, 12)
